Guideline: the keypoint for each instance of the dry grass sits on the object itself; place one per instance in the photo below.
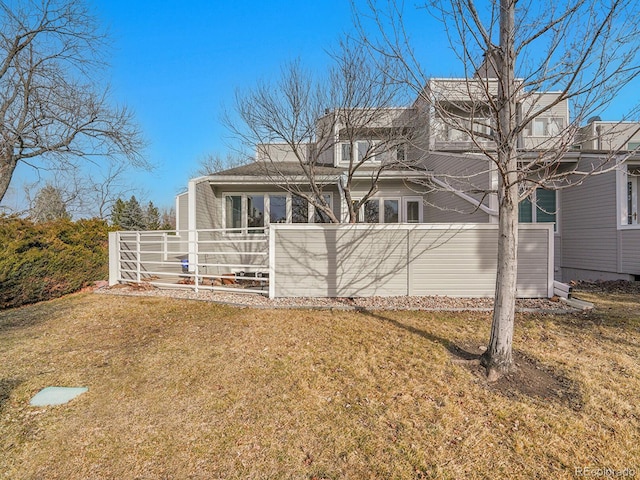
(182, 390)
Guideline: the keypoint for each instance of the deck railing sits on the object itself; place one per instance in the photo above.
(324, 260)
(214, 259)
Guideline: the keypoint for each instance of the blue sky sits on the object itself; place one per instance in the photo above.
(177, 65)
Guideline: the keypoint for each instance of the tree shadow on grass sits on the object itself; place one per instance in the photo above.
(530, 379)
(7, 385)
(31, 315)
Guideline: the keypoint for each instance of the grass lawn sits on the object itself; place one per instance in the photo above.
(190, 390)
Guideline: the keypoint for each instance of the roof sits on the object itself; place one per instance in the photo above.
(261, 169)
(261, 172)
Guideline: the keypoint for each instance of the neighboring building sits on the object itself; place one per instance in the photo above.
(442, 177)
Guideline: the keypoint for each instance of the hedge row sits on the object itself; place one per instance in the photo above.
(41, 261)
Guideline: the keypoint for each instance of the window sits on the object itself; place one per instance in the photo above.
(277, 209)
(346, 152)
(413, 208)
(250, 213)
(255, 213)
(372, 211)
(477, 126)
(545, 207)
(391, 212)
(299, 210)
(382, 210)
(630, 204)
(633, 146)
(364, 148)
(319, 216)
(401, 152)
(233, 211)
(545, 127)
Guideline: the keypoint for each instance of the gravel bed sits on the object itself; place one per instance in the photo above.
(434, 303)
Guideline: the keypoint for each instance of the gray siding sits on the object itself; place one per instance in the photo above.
(630, 252)
(447, 207)
(588, 226)
(607, 136)
(205, 203)
(182, 211)
(357, 260)
(465, 174)
(387, 188)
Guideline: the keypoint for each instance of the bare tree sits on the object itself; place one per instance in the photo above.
(584, 51)
(53, 115)
(297, 124)
(90, 193)
(213, 163)
(168, 218)
(100, 190)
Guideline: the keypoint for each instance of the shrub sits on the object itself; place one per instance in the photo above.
(46, 260)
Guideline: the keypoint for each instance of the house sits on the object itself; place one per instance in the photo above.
(439, 175)
(402, 201)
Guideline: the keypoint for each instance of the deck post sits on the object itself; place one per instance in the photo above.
(114, 258)
(196, 270)
(271, 245)
(138, 257)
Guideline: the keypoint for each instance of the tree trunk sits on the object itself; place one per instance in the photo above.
(7, 167)
(498, 357)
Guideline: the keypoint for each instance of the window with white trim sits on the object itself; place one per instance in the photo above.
(544, 127)
(539, 207)
(628, 197)
(363, 148)
(233, 212)
(381, 210)
(412, 208)
(277, 208)
(319, 216)
(299, 209)
(255, 213)
(391, 211)
(372, 211)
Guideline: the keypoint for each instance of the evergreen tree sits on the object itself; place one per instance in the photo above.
(130, 215)
(117, 212)
(133, 215)
(152, 217)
